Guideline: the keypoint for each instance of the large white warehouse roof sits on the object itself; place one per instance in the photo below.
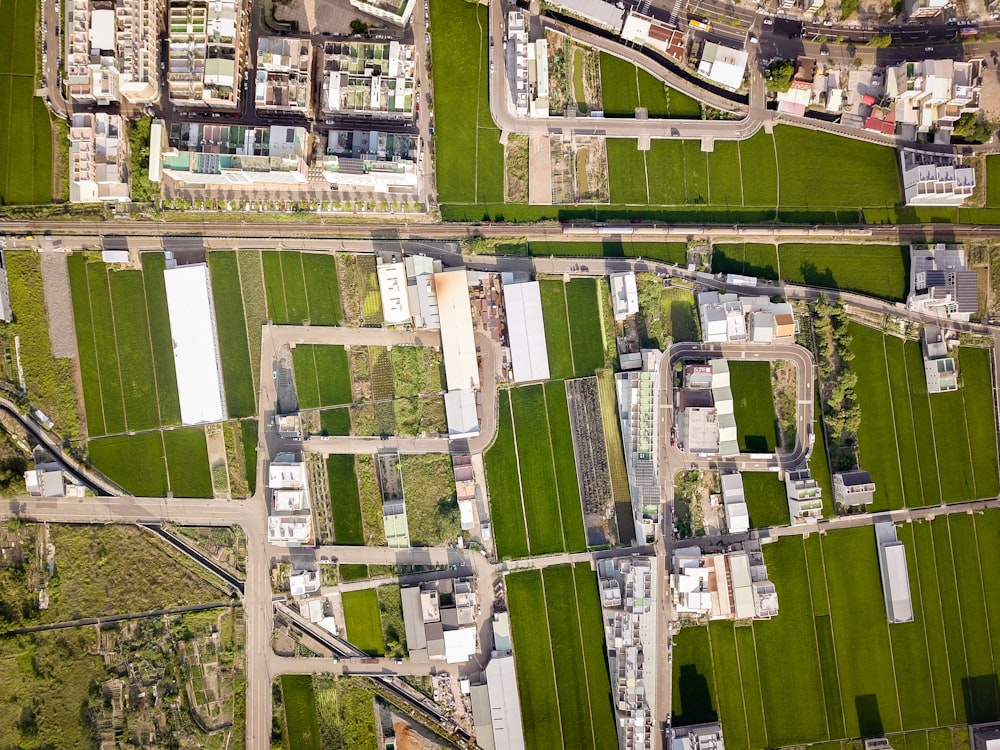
(458, 345)
(526, 331)
(196, 345)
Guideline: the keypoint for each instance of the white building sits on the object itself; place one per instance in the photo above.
(732, 317)
(939, 369)
(290, 520)
(97, 159)
(112, 54)
(303, 583)
(805, 496)
(205, 64)
(649, 32)
(369, 78)
(723, 65)
(698, 737)
(420, 272)
(853, 488)
(397, 13)
(462, 413)
(895, 581)
(458, 344)
(598, 12)
(196, 344)
(734, 503)
(392, 287)
(529, 355)
(638, 410)
(504, 705)
(931, 95)
(730, 586)
(722, 317)
(624, 295)
(283, 78)
(933, 179)
(941, 284)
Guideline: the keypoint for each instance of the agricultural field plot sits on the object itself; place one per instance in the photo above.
(756, 422)
(234, 342)
(557, 339)
(593, 472)
(363, 622)
(301, 287)
(126, 355)
(346, 502)
(879, 270)
(914, 676)
(625, 87)
(921, 448)
(531, 473)
(322, 376)
(26, 130)
(151, 464)
(585, 326)
(48, 380)
(469, 155)
(552, 638)
(666, 314)
(668, 252)
(431, 504)
(766, 499)
(316, 711)
(406, 385)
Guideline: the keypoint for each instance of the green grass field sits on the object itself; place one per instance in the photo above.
(921, 448)
(756, 423)
(582, 307)
(300, 712)
(625, 87)
(122, 336)
(469, 154)
(626, 172)
(187, 462)
(574, 711)
(993, 181)
(750, 259)
(570, 507)
(766, 499)
(25, 126)
(911, 676)
(231, 323)
(322, 376)
(133, 461)
(504, 486)
(538, 482)
(668, 252)
(322, 289)
(556, 328)
(344, 497)
(362, 620)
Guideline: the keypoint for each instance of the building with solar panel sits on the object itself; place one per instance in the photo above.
(638, 406)
(941, 284)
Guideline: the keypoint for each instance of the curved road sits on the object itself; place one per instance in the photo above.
(799, 356)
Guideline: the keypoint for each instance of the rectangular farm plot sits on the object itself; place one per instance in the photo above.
(570, 509)
(556, 328)
(135, 462)
(766, 499)
(124, 374)
(296, 302)
(322, 376)
(505, 487)
(878, 270)
(234, 350)
(363, 621)
(749, 259)
(538, 484)
(187, 462)
(626, 172)
(756, 423)
(322, 289)
(909, 676)
(300, 712)
(917, 445)
(665, 174)
(347, 527)
(759, 168)
(585, 326)
(725, 186)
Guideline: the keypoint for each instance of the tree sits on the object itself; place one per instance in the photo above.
(358, 26)
(971, 129)
(779, 75)
(880, 41)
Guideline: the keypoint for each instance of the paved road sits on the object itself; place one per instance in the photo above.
(800, 358)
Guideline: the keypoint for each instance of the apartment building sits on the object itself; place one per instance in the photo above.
(206, 52)
(283, 79)
(111, 50)
(373, 79)
(931, 95)
(97, 158)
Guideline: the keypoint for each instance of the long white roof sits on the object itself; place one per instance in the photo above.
(505, 708)
(526, 332)
(196, 345)
(458, 345)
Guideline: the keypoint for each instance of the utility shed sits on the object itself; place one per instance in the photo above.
(529, 355)
(413, 621)
(892, 564)
(196, 344)
(458, 345)
(395, 298)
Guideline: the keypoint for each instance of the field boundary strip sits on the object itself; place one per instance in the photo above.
(97, 359)
(583, 661)
(812, 618)
(763, 711)
(986, 611)
(957, 596)
(517, 461)
(968, 438)
(895, 433)
(913, 429)
(149, 333)
(829, 609)
(923, 624)
(118, 359)
(552, 656)
(944, 625)
(254, 366)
